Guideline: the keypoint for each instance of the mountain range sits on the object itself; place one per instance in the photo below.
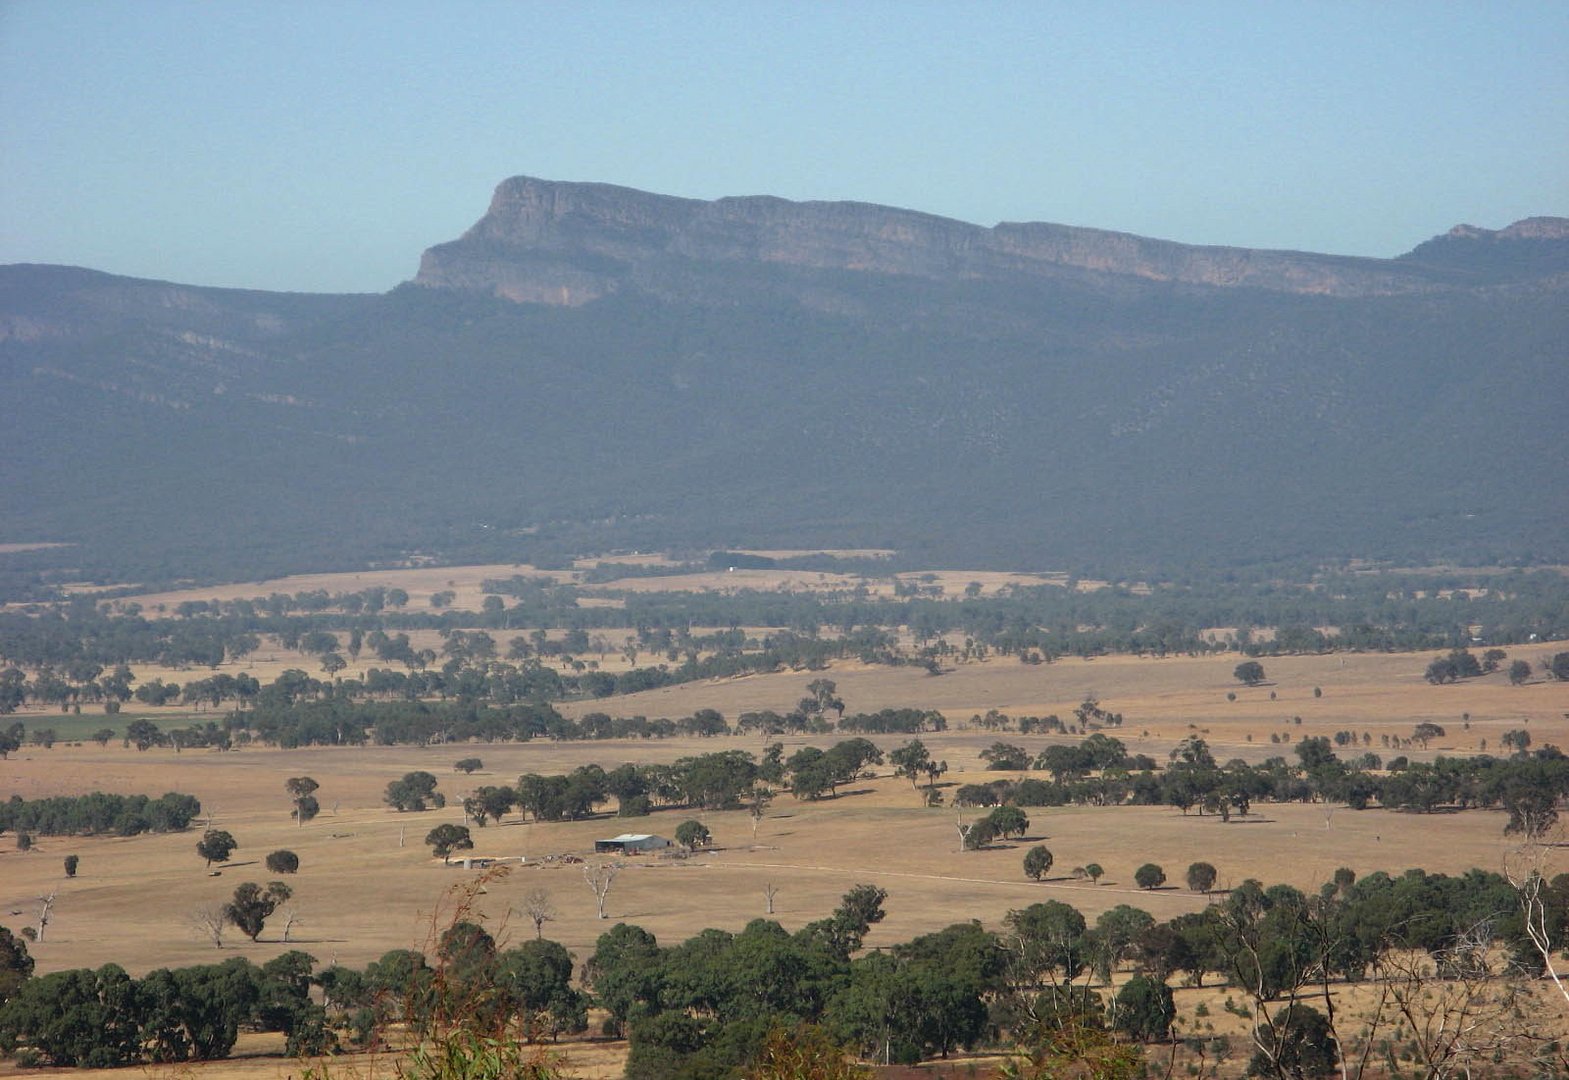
(591, 367)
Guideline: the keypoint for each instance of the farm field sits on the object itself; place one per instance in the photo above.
(368, 882)
(360, 891)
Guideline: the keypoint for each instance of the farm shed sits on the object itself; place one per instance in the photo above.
(632, 844)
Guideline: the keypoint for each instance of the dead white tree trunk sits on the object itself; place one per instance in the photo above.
(45, 902)
(769, 892)
(600, 876)
(209, 922)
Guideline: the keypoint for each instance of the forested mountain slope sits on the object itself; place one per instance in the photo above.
(591, 366)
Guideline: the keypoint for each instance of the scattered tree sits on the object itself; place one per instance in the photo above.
(253, 905)
(693, 834)
(446, 838)
(468, 765)
(1149, 876)
(210, 922)
(216, 845)
(1249, 672)
(71, 863)
(282, 862)
(415, 791)
(1201, 877)
(1037, 861)
(539, 910)
(300, 789)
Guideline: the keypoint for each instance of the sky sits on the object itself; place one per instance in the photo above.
(321, 146)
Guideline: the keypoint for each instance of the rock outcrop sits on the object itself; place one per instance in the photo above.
(567, 244)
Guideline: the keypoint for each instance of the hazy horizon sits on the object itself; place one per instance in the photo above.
(319, 149)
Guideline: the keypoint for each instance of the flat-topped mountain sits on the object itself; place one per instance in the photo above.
(560, 243)
(591, 366)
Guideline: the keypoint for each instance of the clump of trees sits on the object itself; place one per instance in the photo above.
(253, 904)
(1037, 988)
(413, 792)
(103, 1018)
(99, 814)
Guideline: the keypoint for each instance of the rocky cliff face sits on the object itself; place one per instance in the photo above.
(567, 244)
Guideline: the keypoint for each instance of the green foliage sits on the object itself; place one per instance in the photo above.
(806, 1052)
(1250, 672)
(1008, 821)
(77, 1018)
(446, 838)
(415, 791)
(282, 862)
(1149, 876)
(252, 905)
(1301, 1044)
(1144, 1009)
(301, 791)
(1201, 877)
(216, 845)
(16, 966)
(99, 813)
(465, 1054)
(1037, 862)
(692, 834)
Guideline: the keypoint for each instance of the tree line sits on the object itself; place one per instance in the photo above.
(98, 814)
(1045, 985)
(80, 639)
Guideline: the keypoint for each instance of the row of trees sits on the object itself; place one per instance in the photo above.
(1435, 949)
(98, 813)
(1530, 785)
(103, 1018)
(71, 646)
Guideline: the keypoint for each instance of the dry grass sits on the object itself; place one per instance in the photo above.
(420, 582)
(360, 892)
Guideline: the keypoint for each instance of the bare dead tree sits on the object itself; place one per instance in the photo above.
(959, 824)
(769, 892)
(209, 922)
(600, 876)
(1461, 1014)
(291, 917)
(539, 910)
(758, 806)
(1526, 868)
(45, 904)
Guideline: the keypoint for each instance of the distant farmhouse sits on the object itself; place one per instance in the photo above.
(631, 844)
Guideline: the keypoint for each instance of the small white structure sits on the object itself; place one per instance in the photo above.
(631, 844)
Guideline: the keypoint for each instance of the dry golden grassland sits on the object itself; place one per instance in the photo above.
(368, 884)
(421, 582)
(360, 893)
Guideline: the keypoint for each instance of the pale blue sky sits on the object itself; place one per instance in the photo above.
(320, 146)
